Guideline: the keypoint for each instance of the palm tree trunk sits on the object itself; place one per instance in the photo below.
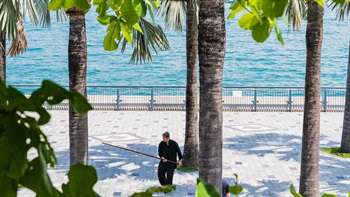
(3, 57)
(211, 50)
(78, 124)
(191, 135)
(345, 139)
(309, 175)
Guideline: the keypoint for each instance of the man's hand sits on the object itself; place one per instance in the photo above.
(180, 162)
(163, 159)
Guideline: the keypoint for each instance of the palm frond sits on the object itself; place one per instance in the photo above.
(173, 14)
(342, 9)
(153, 36)
(9, 15)
(61, 15)
(36, 11)
(296, 11)
(19, 44)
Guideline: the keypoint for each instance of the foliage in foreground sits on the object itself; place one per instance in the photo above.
(20, 120)
(261, 16)
(335, 151)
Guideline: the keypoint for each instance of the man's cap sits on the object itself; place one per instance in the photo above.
(166, 134)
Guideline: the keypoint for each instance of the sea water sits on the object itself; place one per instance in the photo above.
(247, 63)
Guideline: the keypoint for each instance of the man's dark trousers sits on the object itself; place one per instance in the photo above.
(168, 169)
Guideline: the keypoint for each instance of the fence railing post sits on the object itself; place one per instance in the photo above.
(290, 100)
(255, 99)
(118, 99)
(152, 100)
(325, 100)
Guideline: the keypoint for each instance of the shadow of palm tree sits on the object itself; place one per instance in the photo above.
(334, 171)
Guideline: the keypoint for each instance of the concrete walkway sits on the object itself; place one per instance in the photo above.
(262, 148)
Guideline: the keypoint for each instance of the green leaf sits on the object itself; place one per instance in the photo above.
(102, 9)
(236, 7)
(81, 181)
(255, 4)
(13, 149)
(260, 30)
(109, 43)
(320, 2)
(55, 5)
(126, 31)
(278, 33)
(329, 195)
(16, 98)
(206, 190)
(98, 2)
(44, 116)
(37, 179)
(274, 8)
(82, 5)
(157, 3)
(54, 94)
(293, 192)
(137, 27)
(8, 186)
(341, 2)
(104, 20)
(115, 4)
(68, 4)
(140, 7)
(248, 21)
(129, 13)
(235, 189)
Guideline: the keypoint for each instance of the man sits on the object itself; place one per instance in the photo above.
(225, 186)
(167, 150)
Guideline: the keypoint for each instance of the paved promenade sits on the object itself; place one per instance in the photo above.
(263, 148)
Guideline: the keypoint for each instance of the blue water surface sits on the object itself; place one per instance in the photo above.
(247, 63)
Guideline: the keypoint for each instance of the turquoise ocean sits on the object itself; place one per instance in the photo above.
(247, 63)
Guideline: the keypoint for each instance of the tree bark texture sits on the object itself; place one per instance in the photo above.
(309, 175)
(191, 133)
(211, 50)
(77, 58)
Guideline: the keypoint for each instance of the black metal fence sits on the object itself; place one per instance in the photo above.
(174, 98)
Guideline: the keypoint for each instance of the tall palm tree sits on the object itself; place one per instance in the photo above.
(342, 11)
(77, 58)
(3, 57)
(191, 132)
(309, 175)
(211, 51)
(173, 12)
(11, 23)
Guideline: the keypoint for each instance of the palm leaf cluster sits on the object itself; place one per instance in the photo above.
(296, 11)
(173, 13)
(342, 9)
(12, 15)
(152, 36)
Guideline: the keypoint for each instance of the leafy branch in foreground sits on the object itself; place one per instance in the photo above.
(260, 16)
(121, 17)
(20, 121)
